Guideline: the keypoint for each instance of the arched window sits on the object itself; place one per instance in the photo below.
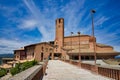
(42, 48)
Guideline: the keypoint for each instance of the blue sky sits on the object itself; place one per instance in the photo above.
(25, 22)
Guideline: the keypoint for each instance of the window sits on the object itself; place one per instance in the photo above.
(59, 20)
(50, 49)
(46, 49)
(17, 56)
(56, 49)
(42, 48)
(59, 26)
(33, 54)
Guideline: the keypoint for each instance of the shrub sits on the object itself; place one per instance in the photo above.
(34, 62)
(3, 72)
(28, 64)
(14, 70)
(25, 65)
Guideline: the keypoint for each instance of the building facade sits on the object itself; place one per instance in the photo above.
(59, 38)
(73, 46)
(20, 54)
(39, 51)
(68, 47)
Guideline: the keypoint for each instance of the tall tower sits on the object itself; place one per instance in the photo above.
(59, 36)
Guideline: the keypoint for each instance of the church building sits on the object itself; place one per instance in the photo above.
(73, 47)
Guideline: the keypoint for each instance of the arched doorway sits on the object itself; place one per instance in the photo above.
(57, 56)
(50, 56)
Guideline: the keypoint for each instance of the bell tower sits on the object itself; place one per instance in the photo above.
(59, 35)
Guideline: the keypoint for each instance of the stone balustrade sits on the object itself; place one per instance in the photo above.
(34, 73)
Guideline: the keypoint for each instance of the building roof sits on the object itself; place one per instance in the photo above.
(5, 66)
(92, 53)
(7, 58)
(38, 44)
(76, 36)
(76, 50)
(22, 48)
(103, 45)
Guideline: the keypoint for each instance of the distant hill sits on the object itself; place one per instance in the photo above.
(6, 55)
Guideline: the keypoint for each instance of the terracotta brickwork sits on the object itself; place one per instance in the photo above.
(72, 42)
(85, 44)
(59, 35)
(30, 50)
(43, 51)
(20, 54)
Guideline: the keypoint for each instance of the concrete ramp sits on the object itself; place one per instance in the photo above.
(59, 70)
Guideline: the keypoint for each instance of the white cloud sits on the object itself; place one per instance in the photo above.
(7, 46)
(117, 48)
(46, 24)
(101, 20)
(73, 12)
(110, 38)
(28, 24)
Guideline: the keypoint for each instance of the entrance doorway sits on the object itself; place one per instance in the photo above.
(42, 56)
(50, 56)
(57, 56)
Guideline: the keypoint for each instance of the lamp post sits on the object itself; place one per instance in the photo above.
(79, 47)
(71, 44)
(94, 44)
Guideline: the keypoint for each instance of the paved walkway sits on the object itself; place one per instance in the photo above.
(58, 70)
(6, 77)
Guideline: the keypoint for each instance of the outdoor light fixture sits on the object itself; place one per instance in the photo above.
(79, 47)
(93, 11)
(94, 44)
(71, 44)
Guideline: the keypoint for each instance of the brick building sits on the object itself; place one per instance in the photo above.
(20, 54)
(39, 51)
(72, 46)
(68, 47)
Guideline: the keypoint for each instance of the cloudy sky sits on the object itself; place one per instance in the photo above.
(24, 22)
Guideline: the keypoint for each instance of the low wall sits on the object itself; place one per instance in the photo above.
(107, 71)
(34, 73)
